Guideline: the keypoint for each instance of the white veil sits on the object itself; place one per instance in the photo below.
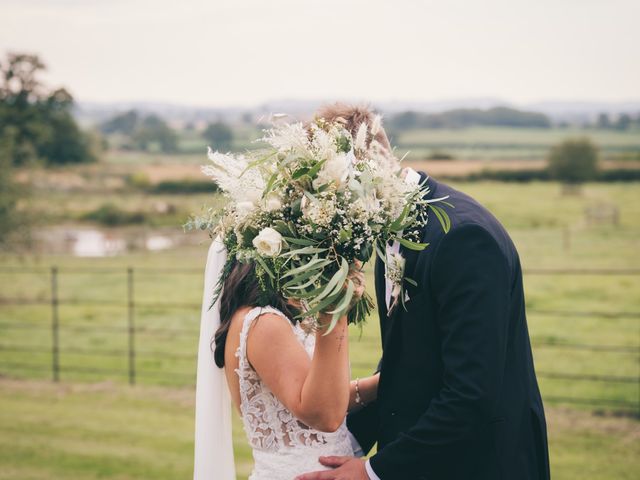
(213, 443)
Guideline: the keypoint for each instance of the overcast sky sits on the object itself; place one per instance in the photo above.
(242, 52)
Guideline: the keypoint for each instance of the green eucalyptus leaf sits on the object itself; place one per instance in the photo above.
(313, 264)
(397, 223)
(442, 216)
(346, 300)
(305, 251)
(264, 265)
(412, 245)
(300, 241)
(336, 281)
(322, 305)
(307, 284)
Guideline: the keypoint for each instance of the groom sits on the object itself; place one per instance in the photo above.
(458, 397)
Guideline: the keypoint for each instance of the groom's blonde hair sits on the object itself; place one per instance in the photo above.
(352, 116)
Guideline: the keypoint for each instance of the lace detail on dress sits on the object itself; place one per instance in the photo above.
(267, 422)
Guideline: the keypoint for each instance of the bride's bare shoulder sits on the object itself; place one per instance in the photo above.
(265, 325)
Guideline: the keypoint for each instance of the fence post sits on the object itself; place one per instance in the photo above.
(55, 346)
(132, 348)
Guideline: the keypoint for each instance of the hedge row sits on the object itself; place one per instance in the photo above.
(523, 176)
(183, 186)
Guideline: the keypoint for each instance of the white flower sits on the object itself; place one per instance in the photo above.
(334, 170)
(376, 124)
(272, 202)
(361, 137)
(320, 212)
(395, 272)
(229, 173)
(244, 208)
(323, 143)
(287, 137)
(268, 242)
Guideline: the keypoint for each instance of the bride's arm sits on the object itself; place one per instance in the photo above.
(367, 388)
(315, 390)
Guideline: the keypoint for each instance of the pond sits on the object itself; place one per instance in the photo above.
(95, 242)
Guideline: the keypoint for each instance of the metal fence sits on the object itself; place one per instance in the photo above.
(131, 331)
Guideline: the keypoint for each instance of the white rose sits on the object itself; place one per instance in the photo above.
(268, 242)
(272, 202)
(335, 170)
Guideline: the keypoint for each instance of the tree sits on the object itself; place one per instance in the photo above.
(153, 130)
(38, 120)
(124, 123)
(219, 135)
(603, 121)
(623, 122)
(11, 223)
(573, 162)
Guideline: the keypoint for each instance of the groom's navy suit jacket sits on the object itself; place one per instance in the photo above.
(458, 397)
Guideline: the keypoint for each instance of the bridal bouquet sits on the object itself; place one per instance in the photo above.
(311, 206)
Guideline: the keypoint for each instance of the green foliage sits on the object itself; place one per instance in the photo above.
(624, 122)
(538, 175)
(142, 133)
(154, 131)
(186, 186)
(440, 156)
(619, 175)
(149, 133)
(111, 215)
(139, 180)
(9, 194)
(461, 118)
(124, 123)
(603, 121)
(573, 161)
(36, 121)
(219, 135)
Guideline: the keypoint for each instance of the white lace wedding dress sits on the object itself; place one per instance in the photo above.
(283, 446)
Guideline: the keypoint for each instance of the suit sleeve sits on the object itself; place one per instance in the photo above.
(470, 282)
(363, 425)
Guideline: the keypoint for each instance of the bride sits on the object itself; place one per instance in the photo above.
(290, 384)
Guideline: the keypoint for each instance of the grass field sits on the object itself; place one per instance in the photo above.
(107, 430)
(511, 143)
(473, 143)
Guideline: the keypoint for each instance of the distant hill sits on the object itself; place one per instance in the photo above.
(573, 112)
(467, 117)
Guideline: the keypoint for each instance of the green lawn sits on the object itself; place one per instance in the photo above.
(110, 431)
(480, 143)
(88, 430)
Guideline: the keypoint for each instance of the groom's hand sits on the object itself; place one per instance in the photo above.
(345, 468)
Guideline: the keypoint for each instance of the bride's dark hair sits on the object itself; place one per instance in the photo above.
(241, 289)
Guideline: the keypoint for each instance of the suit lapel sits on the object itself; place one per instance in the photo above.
(394, 320)
(411, 256)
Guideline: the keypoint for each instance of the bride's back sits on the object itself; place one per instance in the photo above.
(292, 397)
(258, 383)
(231, 361)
